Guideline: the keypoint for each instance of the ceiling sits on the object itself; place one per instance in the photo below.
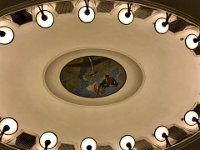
(31, 91)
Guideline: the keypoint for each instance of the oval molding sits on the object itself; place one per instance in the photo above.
(134, 74)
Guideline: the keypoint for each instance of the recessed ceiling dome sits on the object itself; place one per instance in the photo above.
(80, 76)
(98, 70)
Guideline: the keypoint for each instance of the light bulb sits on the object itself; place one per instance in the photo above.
(48, 136)
(6, 35)
(125, 17)
(127, 141)
(86, 15)
(46, 20)
(161, 26)
(88, 144)
(12, 123)
(190, 41)
(160, 132)
(189, 118)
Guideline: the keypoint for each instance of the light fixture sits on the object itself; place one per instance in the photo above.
(161, 134)
(6, 35)
(192, 41)
(86, 14)
(8, 126)
(44, 18)
(88, 144)
(125, 15)
(48, 140)
(192, 118)
(127, 142)
(162, 24)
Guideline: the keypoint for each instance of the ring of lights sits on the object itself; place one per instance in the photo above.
(113, 58)
(133, 69)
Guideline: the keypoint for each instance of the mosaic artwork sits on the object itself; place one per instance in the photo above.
(93, 76)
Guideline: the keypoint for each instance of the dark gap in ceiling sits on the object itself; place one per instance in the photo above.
(197, 50)
(66, 147)
(21, 17)
(64, 7)
(143, 145)
(106, 147)
(178, 25)
(105, 6)
(25, 140)
(177, 133)
(143, 12)
(197, 108)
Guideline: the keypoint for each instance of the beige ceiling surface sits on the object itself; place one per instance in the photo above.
(170, 87)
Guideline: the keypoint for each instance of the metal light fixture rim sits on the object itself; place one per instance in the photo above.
(186, 114)
(186, 39)
(82, 20)
(48, 12)
(45, 133)
(155, 132)
(12, 33)
(155, 25)
(121, 21)
(125, 136)
(89, 137)
(15, 121)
